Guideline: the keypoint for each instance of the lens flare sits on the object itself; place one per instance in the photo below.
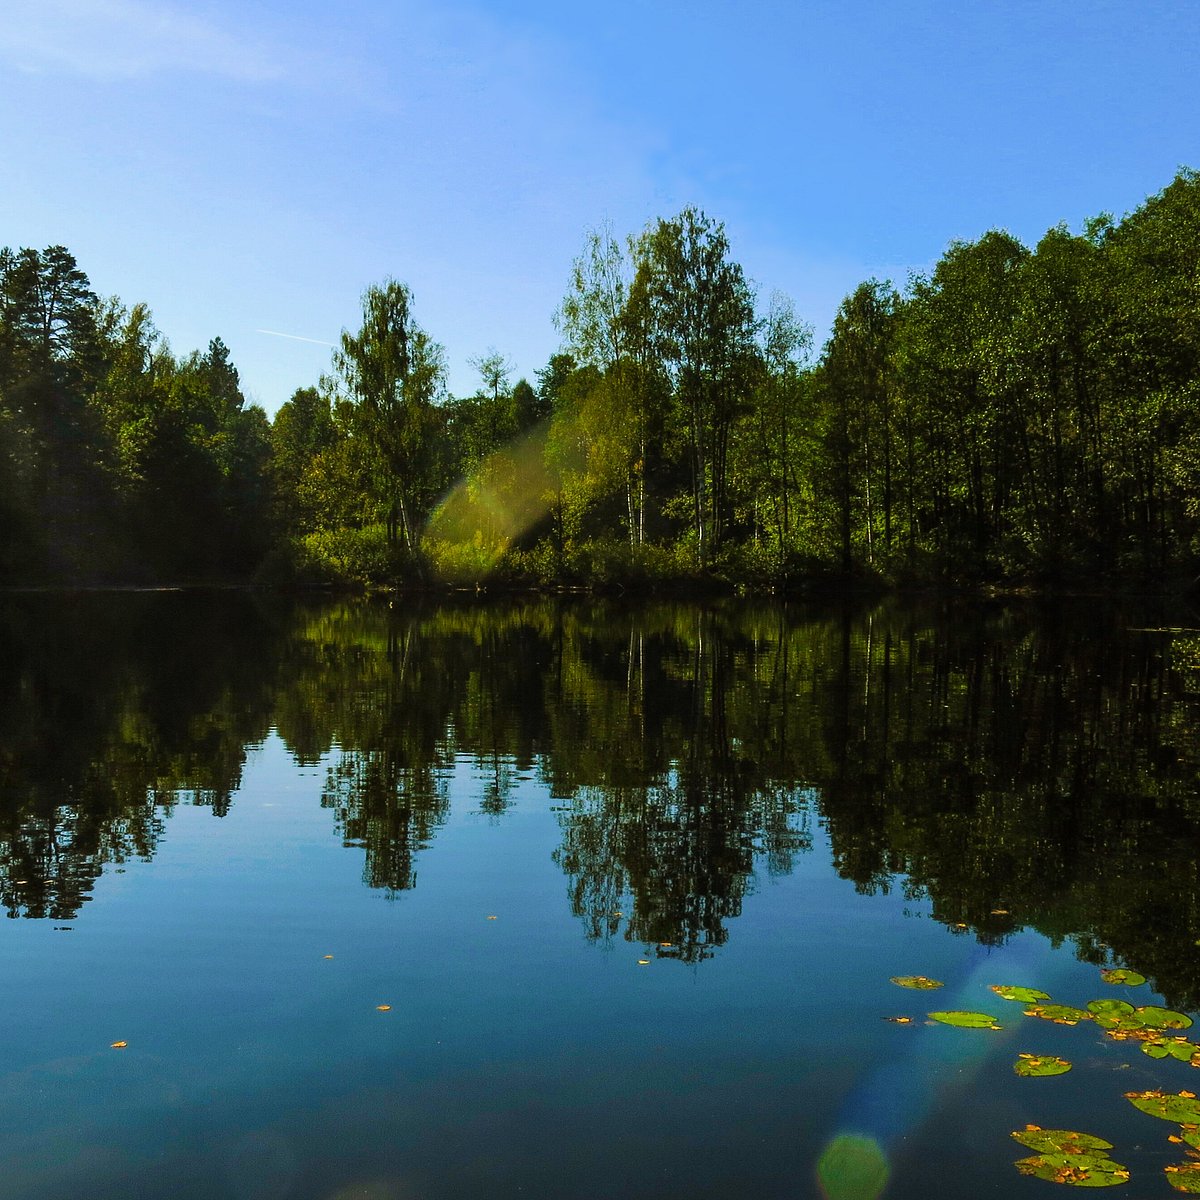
(853, 1167)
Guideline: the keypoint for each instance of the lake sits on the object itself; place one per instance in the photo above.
(570, 899)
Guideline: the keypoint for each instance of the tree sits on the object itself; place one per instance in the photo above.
(395, 373)
(859, 432)
(699, 314)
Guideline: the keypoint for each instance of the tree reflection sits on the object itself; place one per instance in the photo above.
(1018, 767)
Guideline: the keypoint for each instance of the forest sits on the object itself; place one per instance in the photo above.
(1014, 416)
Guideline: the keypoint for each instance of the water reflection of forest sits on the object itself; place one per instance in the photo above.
(1020, 769)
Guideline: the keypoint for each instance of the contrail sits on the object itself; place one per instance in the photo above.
(295, 337)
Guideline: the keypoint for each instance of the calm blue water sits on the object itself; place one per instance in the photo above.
(232, 832)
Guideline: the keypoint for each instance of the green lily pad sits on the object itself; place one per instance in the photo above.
(1060, 1014)
(1179, 1048)
(1154, 1017)
(1059, 1141)
(1184, 1177)
(1110, 1008)
(1181, 1107)
(966, 1020)
(1034, 1065)
(922, 983)
(1076, 1170)
(1022, 995)
(1190, 1135)
(1122, 975)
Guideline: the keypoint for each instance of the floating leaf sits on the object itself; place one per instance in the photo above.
(1076, 1170)
(1184, 1177)
(920, 982)
(383, 1008)
(1154, 1017)
(643, 962)
(326, 955)
(491, 917)
(1022, 995)
(666, 945)
(1180, 1107)
(1059, 1141)
(1190, 1135)
(1122, 975)
(899, 1020)
(999, 912)
(1110, 1008)
(1060, 1014)
(965, 1020)
(119, 1045)
(1179, 1048)
(1033, 1065)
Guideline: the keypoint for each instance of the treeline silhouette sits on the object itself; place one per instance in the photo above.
(1020, 768)
(1014, 414)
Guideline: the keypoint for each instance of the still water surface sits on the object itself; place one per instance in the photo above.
(631, 883)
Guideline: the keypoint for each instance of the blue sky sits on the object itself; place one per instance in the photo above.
(246, 166)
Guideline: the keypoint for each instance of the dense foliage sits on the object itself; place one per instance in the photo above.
(1015, 414)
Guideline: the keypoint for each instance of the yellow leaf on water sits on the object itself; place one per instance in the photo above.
(643, 962)
(119, 1045)
(383, 1008)
(327, 956)
(899, 1020)
(666, 944)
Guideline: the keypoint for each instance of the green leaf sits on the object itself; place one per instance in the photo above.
(1179, 1048)
(1110, 1008)
(1022, 995)
(965, 1020)
(1060, 1014)
(1076, 1170)
(1032, 1065)
(1059, 1141)
(1183, 1177)
(1122, 975)
(920, 982)
(1154, 1017)
(1180, 1107)
(1036, 1065)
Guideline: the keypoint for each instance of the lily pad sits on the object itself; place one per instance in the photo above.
(1035, 1065)
(1110, 1008)
(1184, 1177)
(1077, 1170)
(921, 983)
(1154, 1017)
(1059, 1141)
(1179, 1048)
(1022, 995)
(966, 1020)
(1060, 1014)
(1189, 1135)
(1180, 1107)
(1122, 975)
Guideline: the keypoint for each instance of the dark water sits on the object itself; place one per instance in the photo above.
(489, 816)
